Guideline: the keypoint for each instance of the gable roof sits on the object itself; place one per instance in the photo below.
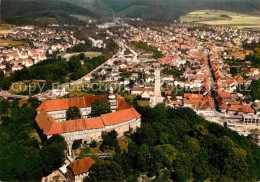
(81, 165)
(241, 108)
(120, 116)
(65, 104)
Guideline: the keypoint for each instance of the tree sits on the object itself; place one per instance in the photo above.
(76, 144)
(255, 89)
(109, 140)
(233, 71)
(103, 171)
(34, 102)
(4, 105)
(93, 144)
(144, 158)
(73, 113)
(165, 154)
(100, 107)
(53, 154)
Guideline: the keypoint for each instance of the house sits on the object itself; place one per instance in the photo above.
(251, 119)
(202, 104)
(223, 99)
(16, 67)
(79, 169)
(168, 78)
(28, 63)
(2, 67)
(149, 78)
(172, 103)
(254, 72)
(240, 109)
(144, 92)
(87, 77)
(59, 91)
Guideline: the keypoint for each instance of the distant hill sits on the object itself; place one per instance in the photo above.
(21, 12)
(165, 9)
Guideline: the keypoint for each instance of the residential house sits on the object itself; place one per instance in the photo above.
(79, 169)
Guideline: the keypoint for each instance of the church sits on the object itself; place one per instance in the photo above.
(51, 118)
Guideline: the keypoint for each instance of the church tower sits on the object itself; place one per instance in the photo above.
(112, 99)
(157, 97)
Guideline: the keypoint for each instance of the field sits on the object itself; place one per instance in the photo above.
(47, 20)
(83, 18)
(89, 54)
(5, 28)
(223, 18)
(8, 42)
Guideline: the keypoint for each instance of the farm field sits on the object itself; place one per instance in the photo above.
(223, 18)
(5, 28)
(15, 43)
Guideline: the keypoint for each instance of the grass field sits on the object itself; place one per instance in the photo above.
(83, 18)
(223, 18)
(48, 20)
(143, 103)
(89, 54)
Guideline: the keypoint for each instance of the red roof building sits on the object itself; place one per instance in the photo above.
(87, 129)
(79, 169)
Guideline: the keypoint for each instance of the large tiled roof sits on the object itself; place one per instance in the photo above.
(81, 165)
(241, 108)
(65, 104)
(50, 127)
(119, 116)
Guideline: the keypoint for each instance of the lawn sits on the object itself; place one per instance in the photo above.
(89, 54)
(222, 18)
(143, 103)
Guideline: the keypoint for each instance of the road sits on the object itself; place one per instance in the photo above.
(9, 95)
(48, 93)
(218, 115)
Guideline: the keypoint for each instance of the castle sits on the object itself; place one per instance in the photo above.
(51, 118)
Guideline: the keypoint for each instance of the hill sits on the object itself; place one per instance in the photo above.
(166, 9)
(22, 12)
(178, 145)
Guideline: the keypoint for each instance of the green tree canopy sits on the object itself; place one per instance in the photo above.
(100, 107)
(109, 140)
(255, 89)
(73, 113)
(103, 171)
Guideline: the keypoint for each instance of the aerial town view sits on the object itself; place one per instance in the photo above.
(130, 90)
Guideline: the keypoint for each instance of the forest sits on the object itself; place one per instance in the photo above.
(23, 157)
(41, 12)
(178, 145)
